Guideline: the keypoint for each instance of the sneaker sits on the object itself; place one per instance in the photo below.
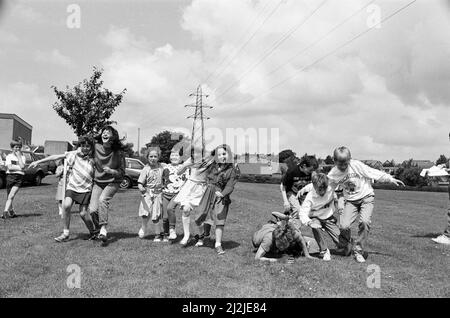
(103, 237)
(5, 215)
(157, 238)
(62, 238)
(12, 214)
(93, 236)
(442, 239)
(184, 242)
(141, 233)
(326, 255)
(359, 258)
(220, 250)
(172, 234)
(199, 243)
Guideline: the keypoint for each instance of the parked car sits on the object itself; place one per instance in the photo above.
(133, 168)
(51, 165)
(33, 176)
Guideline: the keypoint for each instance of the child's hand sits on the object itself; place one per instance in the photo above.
(108, 170)
(219, 194)
(314, 224)
(398, 182)
(33, 165)
(287, 207)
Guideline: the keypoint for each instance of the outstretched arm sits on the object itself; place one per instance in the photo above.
(302, 241)
(47, 159)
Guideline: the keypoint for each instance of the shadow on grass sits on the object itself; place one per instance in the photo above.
(116, 236)
(28, 215)
(428, 235)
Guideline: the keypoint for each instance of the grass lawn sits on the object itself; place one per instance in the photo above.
(33, 265)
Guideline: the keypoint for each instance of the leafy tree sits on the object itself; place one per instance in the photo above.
(88, 106)
(411, 176)
(442, 160)
(165, 140)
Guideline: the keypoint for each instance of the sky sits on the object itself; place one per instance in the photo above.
(305, 75)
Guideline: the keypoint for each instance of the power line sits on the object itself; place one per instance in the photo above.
(236, 53)
(274, 47)
(211, 74)
(331, 52)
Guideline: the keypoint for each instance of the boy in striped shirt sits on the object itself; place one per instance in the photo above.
(79, 184)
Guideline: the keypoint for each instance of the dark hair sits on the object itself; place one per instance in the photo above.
(116, 143)
(285, 154)
(284, 236)
(310, 161)
(15, 143)
(86, 139)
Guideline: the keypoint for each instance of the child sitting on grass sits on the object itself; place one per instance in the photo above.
(317, 212)
(273, 239)
(150, 186)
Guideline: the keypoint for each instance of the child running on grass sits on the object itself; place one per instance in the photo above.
(150, 184)
(317, 211)
(15, 164)
(192, 191)
(172, 184)
(355, 178)
(221, 179)
(276, 238)
(79, 184)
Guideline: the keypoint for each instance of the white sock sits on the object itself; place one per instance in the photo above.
(217, 244)
(66, 232)
(103, 230)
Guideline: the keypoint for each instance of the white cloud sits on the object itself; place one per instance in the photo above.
(25, 100)
(8, 38)
(54, 57)
(365, 96)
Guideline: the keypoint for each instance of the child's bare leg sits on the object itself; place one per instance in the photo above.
(304, 247)
(219, 234)
(60, 208)
(10, 199)
(186, 224)
(143, 229)
(85, 216)
(67, 206)
(158, 228)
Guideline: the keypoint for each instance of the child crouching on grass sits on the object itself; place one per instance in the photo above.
(79, 184)
(317, 211)
(150, 185)
(276, 238)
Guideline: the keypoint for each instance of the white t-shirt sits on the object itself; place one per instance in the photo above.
(356, 180)
(314, 205)
(12, 160)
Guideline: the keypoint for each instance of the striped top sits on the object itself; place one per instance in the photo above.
(81, 173)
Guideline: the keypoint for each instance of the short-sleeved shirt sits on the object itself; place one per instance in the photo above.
(81, 174)
(263, 237)
(151, 178)
(172, 181)
(294, 179)
(11, 159)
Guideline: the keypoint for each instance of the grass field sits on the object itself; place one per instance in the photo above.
(33, 265)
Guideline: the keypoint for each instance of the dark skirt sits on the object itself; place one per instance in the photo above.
(206, 205)
(79, 198)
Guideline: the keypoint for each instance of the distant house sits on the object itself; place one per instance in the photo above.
(12, 127)
(423, 164)
(376, 164)
(390, 170)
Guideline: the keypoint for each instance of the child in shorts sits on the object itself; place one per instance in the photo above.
(150, 184)
(79, 184)
(15, 164)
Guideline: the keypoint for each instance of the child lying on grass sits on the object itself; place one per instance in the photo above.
(282, 237)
